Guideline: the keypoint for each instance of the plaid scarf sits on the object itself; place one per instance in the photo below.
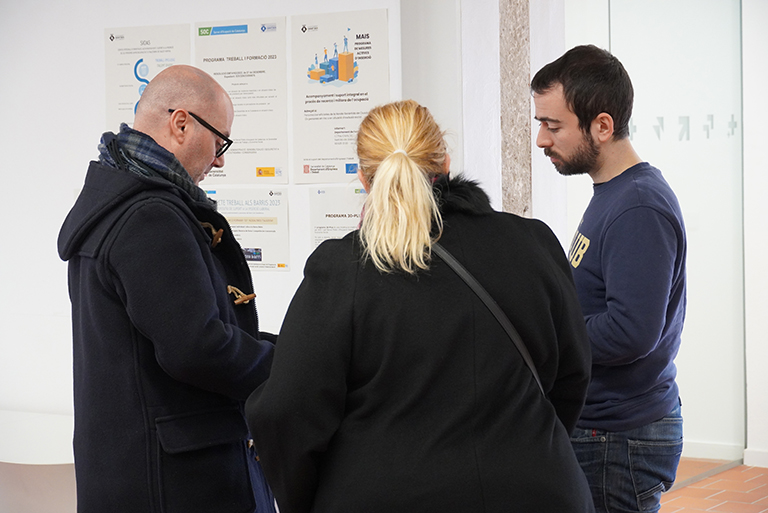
(145, 157)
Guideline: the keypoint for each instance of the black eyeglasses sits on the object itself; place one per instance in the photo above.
(227, 141)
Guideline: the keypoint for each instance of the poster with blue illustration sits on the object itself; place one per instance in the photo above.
(134, 55)
(339, 71)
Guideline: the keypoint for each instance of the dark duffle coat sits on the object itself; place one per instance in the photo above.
(163, 358)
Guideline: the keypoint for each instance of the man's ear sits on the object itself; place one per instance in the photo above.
(602, 127)
(178, 125)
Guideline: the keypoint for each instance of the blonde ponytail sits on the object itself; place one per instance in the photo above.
(401, 150)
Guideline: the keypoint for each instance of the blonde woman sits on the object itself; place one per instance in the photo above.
(393, 387)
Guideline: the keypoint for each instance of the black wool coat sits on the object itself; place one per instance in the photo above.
(163, 358)
(392, 392)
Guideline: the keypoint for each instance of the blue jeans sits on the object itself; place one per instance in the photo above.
(628, 470)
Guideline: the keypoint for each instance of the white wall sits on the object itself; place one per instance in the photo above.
(54, 109)
(431, 65)
(712, 384)
(587, 23)
(690, 70)
(481, 77)
(549, 200)
(754, 58)
(53, 105)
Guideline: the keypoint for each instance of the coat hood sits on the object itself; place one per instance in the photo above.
(459, 194)
(105, 191)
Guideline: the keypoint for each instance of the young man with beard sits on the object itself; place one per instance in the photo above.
(628, 262)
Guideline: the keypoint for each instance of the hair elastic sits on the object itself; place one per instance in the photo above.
(400, 151)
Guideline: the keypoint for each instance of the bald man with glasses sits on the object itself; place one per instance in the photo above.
(166, 336)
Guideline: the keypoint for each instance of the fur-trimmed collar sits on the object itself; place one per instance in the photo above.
(459, 194)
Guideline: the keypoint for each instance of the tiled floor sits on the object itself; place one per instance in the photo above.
(739, 489)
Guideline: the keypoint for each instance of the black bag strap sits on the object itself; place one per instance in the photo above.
(497, 312)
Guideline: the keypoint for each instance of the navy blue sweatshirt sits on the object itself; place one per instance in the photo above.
(628, 261)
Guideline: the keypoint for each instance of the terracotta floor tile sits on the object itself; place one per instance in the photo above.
(745, 497)
(741, 473)
(705, 482)
(698, 464)
(666, 497)
(738, 507)
(699, 493)
(738, 490)
(671, 508)
(754, 471)
(693, 502)
(730, 484)
(667, 508)
(692, 467)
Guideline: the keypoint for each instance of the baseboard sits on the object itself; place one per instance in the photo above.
(755, 458)
(712, 451)
(35, 438)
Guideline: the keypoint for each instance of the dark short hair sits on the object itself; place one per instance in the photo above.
(594, 81)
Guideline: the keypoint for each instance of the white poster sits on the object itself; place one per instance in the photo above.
(340, 70)
(259, 221)
(133, 57)
(335, 211)
(248, 58)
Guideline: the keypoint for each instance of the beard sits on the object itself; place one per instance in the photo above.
(583, 161)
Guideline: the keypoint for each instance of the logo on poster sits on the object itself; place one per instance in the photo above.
(252, 254)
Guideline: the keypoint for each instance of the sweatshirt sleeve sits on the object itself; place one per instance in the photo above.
(294, 415)
(638, 259)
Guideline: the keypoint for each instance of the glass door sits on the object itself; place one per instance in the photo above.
(684, 58)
